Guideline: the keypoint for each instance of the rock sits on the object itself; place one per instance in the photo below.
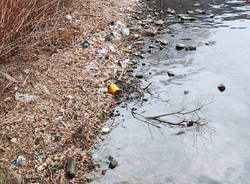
(190, 47)
(104, 171)
(159, 22)
(8, 176)
(190, 12)
(200, 11)
(170, 11)
(210, 43)
(212, 15)
(113, 164)
(197, 4)
(186, 92)
(148, 32)
(162, 42)
(151, 46)
(180, 46)
(184, 18)
(170, 74)
(139, 75)
(221, 87)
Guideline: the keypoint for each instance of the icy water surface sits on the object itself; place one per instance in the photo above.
(218, 153)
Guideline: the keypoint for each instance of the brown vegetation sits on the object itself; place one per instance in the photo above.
(24, 23)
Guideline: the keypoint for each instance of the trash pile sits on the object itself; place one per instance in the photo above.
(53, 109)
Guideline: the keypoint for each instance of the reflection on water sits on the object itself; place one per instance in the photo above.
(219, 153)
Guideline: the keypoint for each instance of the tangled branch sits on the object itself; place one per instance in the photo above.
(188, 118)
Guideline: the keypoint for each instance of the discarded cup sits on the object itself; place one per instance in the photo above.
(114, 89)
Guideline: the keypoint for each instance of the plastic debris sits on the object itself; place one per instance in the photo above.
(125, 31)
(39, 156)
(68, 17)
(25, 97)
(112, 48)
(14, 140)
(92, 67)
(20, 161)
(102, 90)
(114, 89)
(41, 167)
(105, 130)
(85, 43)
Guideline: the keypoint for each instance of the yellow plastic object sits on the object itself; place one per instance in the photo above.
(114, 89)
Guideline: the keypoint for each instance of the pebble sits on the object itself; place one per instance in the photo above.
(190, 12)
(180, 46)
(190, 47)
(221, 87)
(159, 22)
(139, 75)
(170, 74)
(113, 164)
(197, 4)
(186, 92)
(212, 15)
(200, 11)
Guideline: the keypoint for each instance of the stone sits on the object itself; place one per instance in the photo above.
(162, 42)
(113, 164)
(210, 43)
(190, 47)
(190, 12)
(185, 18)
(180, 46)
(159, 22)
(148, 32)
(197, 4)
(170, 74)
(212, 15)
(139, 75)
(186, 92)
(200, 11)
(151, 46)
(221, 87)
(104, 171)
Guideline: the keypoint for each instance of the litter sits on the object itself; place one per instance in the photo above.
(105, 130)
(25, 97)
(125, 31)
(114, 89)
(85, 43)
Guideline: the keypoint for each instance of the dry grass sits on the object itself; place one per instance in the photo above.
(24, 22)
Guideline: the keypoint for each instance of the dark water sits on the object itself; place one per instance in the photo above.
(216, 153)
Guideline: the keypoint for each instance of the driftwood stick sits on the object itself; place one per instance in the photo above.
(174, 113)
(70, 168)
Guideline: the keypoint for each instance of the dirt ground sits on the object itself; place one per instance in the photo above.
(54, 107)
